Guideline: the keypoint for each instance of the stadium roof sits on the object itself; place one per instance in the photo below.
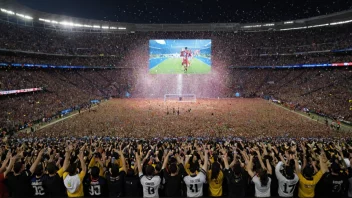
(190, 11)
(13, 9)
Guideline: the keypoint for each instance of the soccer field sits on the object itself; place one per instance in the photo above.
(173, 66)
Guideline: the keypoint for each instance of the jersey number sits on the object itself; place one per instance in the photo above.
(292, 187)
(151, 190)
(193, 188)
(39, 190)
(94, 190)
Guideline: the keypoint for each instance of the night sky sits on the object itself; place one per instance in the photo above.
(190, 11)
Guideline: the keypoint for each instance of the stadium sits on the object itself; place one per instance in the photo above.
(175, 99)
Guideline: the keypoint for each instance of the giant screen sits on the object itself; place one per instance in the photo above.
(180, 56)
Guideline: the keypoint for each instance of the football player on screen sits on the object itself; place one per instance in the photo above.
(186, 54)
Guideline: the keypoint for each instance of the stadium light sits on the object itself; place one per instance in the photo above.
(55, 22)
(341, 22)
(7, 11)
(66, 23)
(251, 26)
(296, 28)
(288, 22)
(23, 16)
(77, 25)
(45, 20)
(121, 28)
(321, 25)
(113, 28)
(269, 24)
(89, 26)
(96, 26)
(105, 27)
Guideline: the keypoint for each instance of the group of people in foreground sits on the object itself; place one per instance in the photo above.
(179, 167)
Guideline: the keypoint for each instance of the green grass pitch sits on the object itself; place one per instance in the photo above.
(173, 66)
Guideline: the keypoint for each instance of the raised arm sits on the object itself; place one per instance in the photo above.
(268, 167)
(205, 165)
(5, 162)
(81, 159)
(67, 159)
(226, 162)
(186, 161)
(138, 159)
(10, 166)
(250, 166)
(123, 161)
(36, 162)
(260, 159)
(166, 159)
(297, 165)
(323, 165)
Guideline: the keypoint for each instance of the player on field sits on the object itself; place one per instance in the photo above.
(186, 54)
(194, 181)
(149, 181)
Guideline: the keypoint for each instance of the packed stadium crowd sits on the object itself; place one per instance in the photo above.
(326, 92)
(322, 91)
(229, 45)
(63, 89)
(212, 152)
(108, 166)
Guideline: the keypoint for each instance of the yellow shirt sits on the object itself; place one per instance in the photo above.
(79, 192)
(94, 163)
(306, 187)
(187, 169)
(60, 172)
(215, 185)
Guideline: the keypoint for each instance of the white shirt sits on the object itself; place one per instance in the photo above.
(261, 191)
(195, 184)
(286, 186)
(150, 185)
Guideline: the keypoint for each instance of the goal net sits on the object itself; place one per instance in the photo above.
(180, 97)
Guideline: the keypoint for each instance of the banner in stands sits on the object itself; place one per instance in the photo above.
(95, 101)
(20, 91)
(296, 66)
(66, 111)
(50, 66)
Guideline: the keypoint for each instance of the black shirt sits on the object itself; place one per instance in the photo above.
(20, 186)
(94, 187)
(236, 183)
(336, 184)
(132, 187)
(54, 186)
(115, 184)
(37, 186)
(173, 183)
